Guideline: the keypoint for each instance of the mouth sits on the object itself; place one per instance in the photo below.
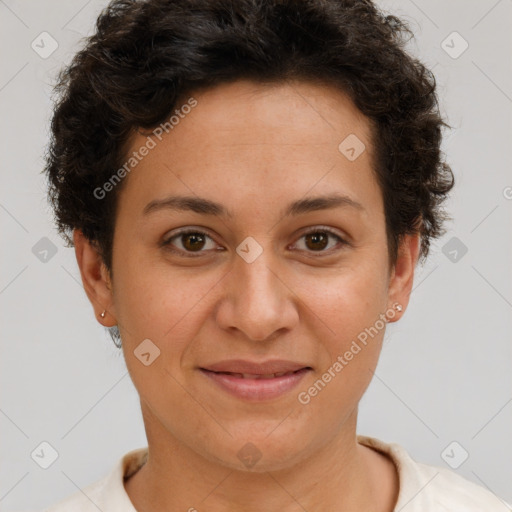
(258, 376)
(256, 386)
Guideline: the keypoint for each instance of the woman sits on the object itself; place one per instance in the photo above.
(248, 187)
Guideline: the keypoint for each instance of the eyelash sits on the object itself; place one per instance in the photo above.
(187, 254)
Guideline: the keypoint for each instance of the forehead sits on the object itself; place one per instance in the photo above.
(301, 113)
(266, 142)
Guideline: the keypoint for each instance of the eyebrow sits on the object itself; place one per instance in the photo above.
(208, 207)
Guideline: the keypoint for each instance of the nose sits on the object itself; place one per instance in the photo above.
(257, 301)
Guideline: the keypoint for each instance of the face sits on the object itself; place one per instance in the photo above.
(253, 278)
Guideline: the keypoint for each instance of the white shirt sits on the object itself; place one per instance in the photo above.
(423, 488)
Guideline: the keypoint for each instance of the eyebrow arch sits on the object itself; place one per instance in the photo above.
(311, 204)
(207, 207)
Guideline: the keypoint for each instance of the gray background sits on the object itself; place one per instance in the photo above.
(444, 374)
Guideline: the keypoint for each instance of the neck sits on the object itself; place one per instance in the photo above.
(341, 476)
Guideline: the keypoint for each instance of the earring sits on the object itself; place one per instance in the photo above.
(398, 307)
(103, 314)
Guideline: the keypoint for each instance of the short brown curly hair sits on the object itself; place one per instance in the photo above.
(145, 54)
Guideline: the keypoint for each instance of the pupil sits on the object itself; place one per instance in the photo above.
(318, 237)
(195, 237)
(319, 240)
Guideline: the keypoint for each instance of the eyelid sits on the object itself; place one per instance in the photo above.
(166, 243)
(342, 240)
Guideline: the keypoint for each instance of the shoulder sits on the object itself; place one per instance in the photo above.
(84, 500)
(108, 493)
(425, 487)
(451, 492)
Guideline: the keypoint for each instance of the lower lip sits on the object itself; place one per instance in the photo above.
(257, 389)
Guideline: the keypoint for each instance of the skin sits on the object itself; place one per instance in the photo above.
(253, 148)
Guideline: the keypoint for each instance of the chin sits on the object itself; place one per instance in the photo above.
(260, 453)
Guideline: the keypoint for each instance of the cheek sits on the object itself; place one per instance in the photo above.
(350, 308)
(160, 303)
(348, 299)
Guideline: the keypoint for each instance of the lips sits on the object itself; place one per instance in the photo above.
(268, 369)
(257, 387)
(256, 381)
(256, 375)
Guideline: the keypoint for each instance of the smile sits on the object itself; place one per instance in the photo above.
(256, 387)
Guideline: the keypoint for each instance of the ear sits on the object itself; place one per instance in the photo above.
(402, 275)
(95, 278)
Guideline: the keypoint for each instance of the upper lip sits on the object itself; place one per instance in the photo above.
(255, 368)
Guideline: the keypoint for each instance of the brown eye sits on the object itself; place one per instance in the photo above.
(186, 243)
(316, 240)
(193, 241)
